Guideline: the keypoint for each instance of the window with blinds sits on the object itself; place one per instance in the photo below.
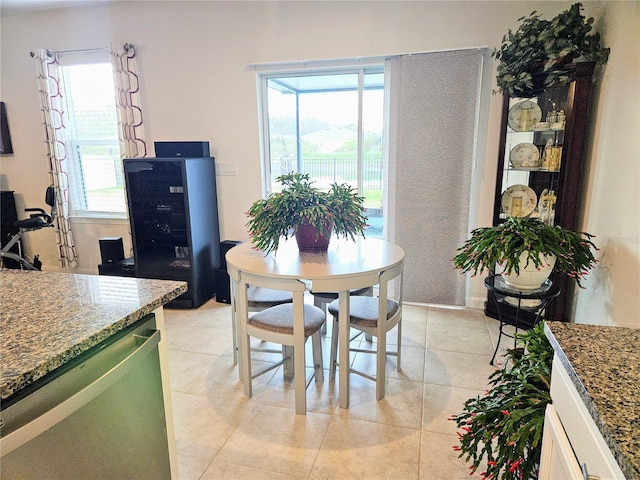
(91, 133)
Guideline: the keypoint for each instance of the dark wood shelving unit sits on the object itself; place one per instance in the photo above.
(573, 99)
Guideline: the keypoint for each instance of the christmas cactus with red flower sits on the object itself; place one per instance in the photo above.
(504, 243)
(501, 432)
(281, 213)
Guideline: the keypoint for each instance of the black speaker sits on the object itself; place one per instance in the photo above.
(123, 268)
(182, 149)
(225, 246)
(111, 269)
(223, 288)
(127, 267)
(111, 250)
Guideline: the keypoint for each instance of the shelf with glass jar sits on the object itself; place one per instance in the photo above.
(535, 132)
(533, 155)
(542, 154)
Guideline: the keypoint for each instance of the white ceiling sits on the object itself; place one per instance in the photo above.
(15, 7)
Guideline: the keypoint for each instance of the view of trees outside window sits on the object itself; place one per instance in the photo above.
(96, 181)
(313, 128)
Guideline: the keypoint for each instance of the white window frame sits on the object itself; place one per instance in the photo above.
(311, 68)
(76, 184)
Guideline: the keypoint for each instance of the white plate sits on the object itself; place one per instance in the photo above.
(517, 119)
(524, 155)
(519, 201)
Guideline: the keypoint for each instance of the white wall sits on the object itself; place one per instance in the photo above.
(193, 57)
(612, 180)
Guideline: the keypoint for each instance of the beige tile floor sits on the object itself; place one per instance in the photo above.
(221, 434)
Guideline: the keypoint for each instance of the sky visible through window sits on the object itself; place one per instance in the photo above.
(339, 108)
(92, 85)
(91, 130)
(316, 131)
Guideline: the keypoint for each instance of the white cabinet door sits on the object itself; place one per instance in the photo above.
(571, 438)
(557, 459)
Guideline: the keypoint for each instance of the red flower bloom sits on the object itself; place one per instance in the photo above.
(515, 465)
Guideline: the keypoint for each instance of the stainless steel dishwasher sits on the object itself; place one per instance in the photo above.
(100, 416)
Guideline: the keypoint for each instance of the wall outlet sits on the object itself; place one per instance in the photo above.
(226, 168)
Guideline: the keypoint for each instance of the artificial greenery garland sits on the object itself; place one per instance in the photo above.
(540, 53)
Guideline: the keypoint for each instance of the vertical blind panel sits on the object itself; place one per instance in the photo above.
(433, 111)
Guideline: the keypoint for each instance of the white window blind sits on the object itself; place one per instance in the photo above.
(433, 122)
(91, 131)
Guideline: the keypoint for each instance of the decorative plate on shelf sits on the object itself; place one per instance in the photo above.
(523, 116)
(519, 201)
(524, 155)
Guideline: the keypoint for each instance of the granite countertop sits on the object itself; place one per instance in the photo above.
(604, 366)
(47, 319)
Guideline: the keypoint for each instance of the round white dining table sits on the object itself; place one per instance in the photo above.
(346, 265)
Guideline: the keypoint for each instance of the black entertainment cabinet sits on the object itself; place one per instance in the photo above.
(173, 211)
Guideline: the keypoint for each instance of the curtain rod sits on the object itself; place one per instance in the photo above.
(333, 62)
(51, 53)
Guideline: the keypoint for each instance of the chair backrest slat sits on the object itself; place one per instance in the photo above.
(291, 285)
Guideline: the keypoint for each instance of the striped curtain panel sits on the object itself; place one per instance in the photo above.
(128, 101)
(128, 106)
(50, 93)
(433, 104)
(130, 129)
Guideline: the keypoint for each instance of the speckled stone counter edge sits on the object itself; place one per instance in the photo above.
(13, 385)
(19, 383)
(627, 469)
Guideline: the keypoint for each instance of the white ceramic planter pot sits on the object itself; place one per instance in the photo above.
(531, 277)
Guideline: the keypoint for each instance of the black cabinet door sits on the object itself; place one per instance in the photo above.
(174, 222)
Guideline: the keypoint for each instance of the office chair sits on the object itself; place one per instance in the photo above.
(36, 221)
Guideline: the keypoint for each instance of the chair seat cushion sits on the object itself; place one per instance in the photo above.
(364, 310)
(280, 319)
(33, 222)
(334, 295)
(261, 297)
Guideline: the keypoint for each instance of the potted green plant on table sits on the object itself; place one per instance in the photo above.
(524, 245)
(305, 211)
(540, 53)
(503, 428)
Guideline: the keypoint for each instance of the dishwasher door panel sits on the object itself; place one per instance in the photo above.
(115, 427)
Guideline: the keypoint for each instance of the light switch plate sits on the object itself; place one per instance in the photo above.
(226, 168)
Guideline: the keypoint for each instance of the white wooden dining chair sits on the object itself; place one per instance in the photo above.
(258, 299)
(288, 324)
(322, 299)
(375, 316)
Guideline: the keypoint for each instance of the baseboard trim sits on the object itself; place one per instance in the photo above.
(477, 302)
